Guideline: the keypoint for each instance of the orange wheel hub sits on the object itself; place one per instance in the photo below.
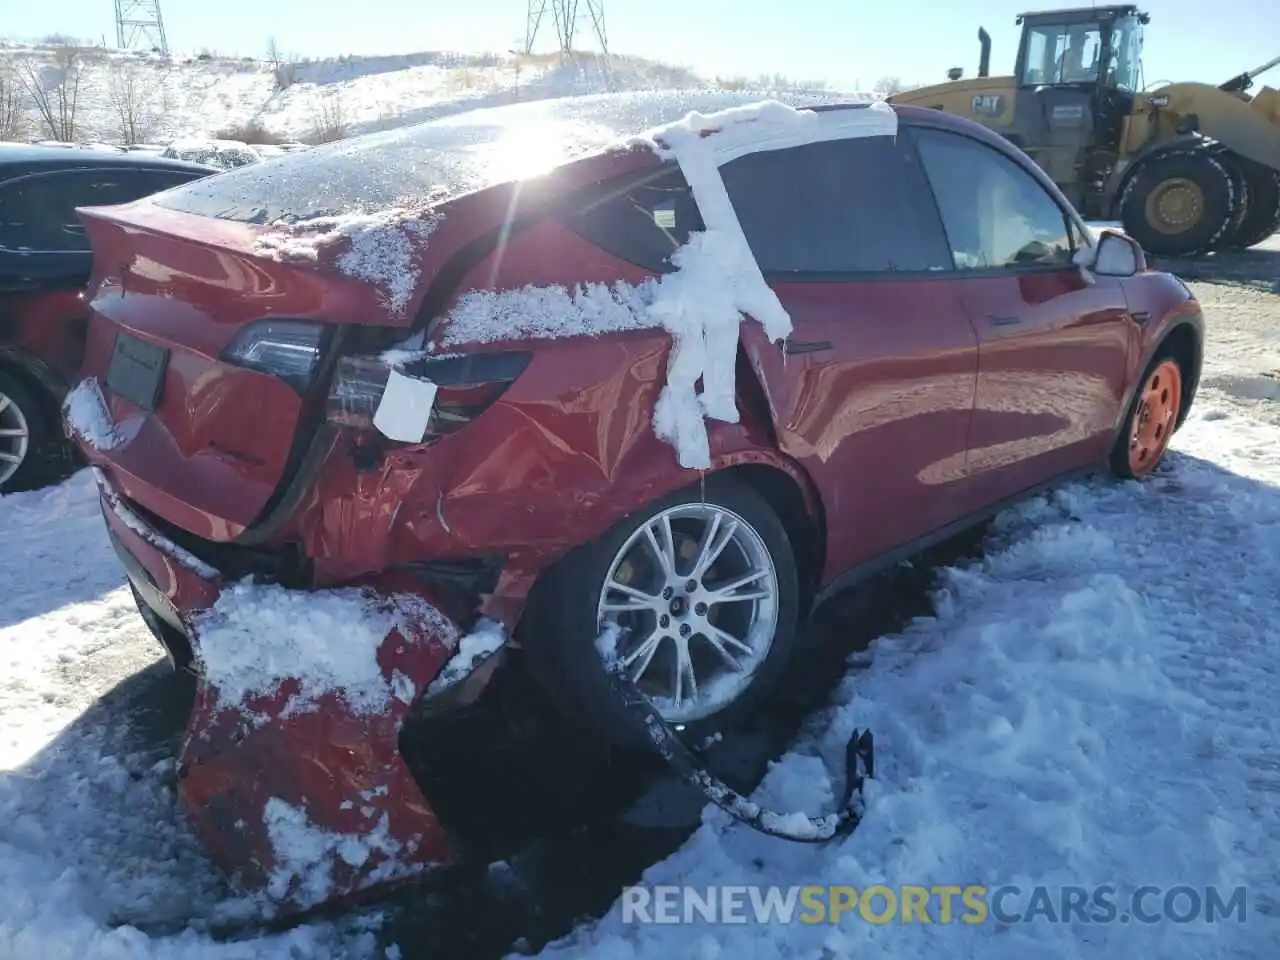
(1154, 419)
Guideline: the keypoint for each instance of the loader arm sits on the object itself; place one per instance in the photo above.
(1250, 128)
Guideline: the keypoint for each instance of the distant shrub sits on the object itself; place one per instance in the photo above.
(252, 132)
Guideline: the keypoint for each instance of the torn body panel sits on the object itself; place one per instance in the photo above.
(339, 767)
(335, 765)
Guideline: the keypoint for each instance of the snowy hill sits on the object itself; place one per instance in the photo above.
(164, 98)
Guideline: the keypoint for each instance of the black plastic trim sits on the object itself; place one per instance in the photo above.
(890, 558)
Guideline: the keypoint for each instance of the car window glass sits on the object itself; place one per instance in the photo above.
(839, 207)
(156, 180)
(38, 212)
(641, 223)
(995, 213)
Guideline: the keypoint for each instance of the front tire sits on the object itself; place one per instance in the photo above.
(1179, 204)
(706, 588)
(1152, 419)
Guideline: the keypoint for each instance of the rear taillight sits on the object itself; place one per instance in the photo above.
(464, 387)
(288, 349)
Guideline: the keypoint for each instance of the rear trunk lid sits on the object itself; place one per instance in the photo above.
(200, 441)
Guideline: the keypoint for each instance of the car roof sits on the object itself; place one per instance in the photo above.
(17, 159)
(446, 158)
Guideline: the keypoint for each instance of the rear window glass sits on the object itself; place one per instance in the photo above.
(440, 160)
(643, 223)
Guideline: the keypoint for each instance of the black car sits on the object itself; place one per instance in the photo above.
(45, 262)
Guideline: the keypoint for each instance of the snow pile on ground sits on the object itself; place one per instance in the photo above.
(382, 247)
(328, 641)
(89, 835)
(1092, 704)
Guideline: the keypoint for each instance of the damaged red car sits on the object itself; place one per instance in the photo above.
(44, 265)
(665, 369)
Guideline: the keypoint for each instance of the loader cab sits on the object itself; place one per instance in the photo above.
(1078, 72)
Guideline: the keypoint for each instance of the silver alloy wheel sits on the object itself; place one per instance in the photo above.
(696, 592)
(15, 438)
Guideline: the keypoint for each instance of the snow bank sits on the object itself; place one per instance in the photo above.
(1080, 710)
(382, 247)
(87, 417)
(256, 636)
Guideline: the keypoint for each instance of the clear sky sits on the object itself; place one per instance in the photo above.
(845, 42)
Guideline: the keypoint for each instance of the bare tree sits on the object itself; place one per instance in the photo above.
(54, 88)
(888, 86)
(133, 90)
(13, 104)
(284, 68)
(329, 121)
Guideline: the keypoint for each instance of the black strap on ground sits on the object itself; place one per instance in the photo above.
(798, 827)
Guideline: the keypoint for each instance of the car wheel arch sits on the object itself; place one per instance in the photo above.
(1186, 343)
(783, 484)
(35, 374)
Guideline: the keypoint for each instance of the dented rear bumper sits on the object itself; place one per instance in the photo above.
(307, 803)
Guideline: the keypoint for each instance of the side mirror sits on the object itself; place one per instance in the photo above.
(1118, 255)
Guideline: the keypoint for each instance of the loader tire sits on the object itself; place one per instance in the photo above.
(1242, 201)
(1263, 216)
(1179, 204)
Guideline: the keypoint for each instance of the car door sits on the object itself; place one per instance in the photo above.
(45, 259)
(1053, 342)
(874, 391)
(41, 237)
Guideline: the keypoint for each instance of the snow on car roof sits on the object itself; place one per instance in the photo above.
(446, 158)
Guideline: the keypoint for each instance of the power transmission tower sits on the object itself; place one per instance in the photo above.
(139, 26)
(565, 13)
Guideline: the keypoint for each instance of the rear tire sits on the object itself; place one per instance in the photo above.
(1262, 219)
(1178, 204)
(25, 434)
(569, 609)
(1152, 419)
(1242, 199)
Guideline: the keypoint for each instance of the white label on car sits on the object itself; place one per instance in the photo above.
(405, 408)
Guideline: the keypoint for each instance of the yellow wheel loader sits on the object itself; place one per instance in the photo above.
(1187, 168)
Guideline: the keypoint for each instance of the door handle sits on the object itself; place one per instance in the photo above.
(997, 321)
(790, 346)
(1140, 317)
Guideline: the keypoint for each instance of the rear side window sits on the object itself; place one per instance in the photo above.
(842, 207)
(38, 212)
(642, 223)
(156, 180)
(995, 213)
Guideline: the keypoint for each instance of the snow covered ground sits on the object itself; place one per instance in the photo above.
(170, 98)
(1092, 703)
